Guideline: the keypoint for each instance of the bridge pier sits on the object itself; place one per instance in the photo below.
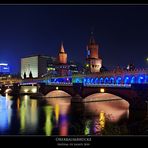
(137, 103)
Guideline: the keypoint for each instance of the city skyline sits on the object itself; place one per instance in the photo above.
(121, 32)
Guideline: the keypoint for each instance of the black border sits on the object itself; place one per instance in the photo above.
(96, 141)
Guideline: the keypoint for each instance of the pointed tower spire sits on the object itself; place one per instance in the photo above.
(62, 55)
(92, 40)
(62, 48)
(93, 56)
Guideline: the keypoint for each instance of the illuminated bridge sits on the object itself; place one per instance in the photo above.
(129, 85)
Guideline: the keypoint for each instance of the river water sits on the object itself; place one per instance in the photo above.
(105, 115)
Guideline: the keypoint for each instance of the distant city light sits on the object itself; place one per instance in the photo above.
(57, 88)
(3, 64)
(4, 68)
(147, 59)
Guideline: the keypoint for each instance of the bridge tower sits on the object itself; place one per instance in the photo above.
(62, 62)
(62, 55)
(93, 59)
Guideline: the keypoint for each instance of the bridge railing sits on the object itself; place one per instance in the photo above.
(114, 73)
(60, 84)
(108, 85)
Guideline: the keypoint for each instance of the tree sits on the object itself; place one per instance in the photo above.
(30, 75)
(24, 75)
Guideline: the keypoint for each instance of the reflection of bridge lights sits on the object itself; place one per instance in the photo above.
(63, 125)
(102, 119)
(102, 90)
(57, 88)
(87, 127)
(57, 112)
(48, 123)
(22, 116)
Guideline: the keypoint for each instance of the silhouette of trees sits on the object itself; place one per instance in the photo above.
(30, 75)
(24, 75)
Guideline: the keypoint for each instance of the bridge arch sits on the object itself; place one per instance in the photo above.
(112, 80)
(141, 79)
(106, 97)
(97, 80)
(106, 80)
(127, 80)
(118, 80)
(133, 79)
(57, 93)
(92, 80)
(101, 80)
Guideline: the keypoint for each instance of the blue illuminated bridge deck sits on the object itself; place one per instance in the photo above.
(107, 79)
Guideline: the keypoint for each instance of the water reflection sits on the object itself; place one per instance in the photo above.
(61, 111)
(58, 116)
(102, 120)
(48, 120)
(57, 113)
(28, 115)
(116, 109)
(63, 125)
(3, 115)
(22, 116)
(87, 127)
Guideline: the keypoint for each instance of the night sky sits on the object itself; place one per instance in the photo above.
(121, 32)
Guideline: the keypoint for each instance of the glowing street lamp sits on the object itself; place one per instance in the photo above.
(147, 59)
(87, 65)
(102, 90)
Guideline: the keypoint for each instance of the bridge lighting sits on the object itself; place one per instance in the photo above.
(57, 88)
(26, 90)
(102, 90)
(34, 90)
(3, 64)
(87, 65)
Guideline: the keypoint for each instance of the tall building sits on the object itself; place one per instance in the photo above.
(51, 66)
(94, 62)
(62, 67)
(37, 66)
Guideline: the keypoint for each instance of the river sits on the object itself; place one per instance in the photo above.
(105, 115)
